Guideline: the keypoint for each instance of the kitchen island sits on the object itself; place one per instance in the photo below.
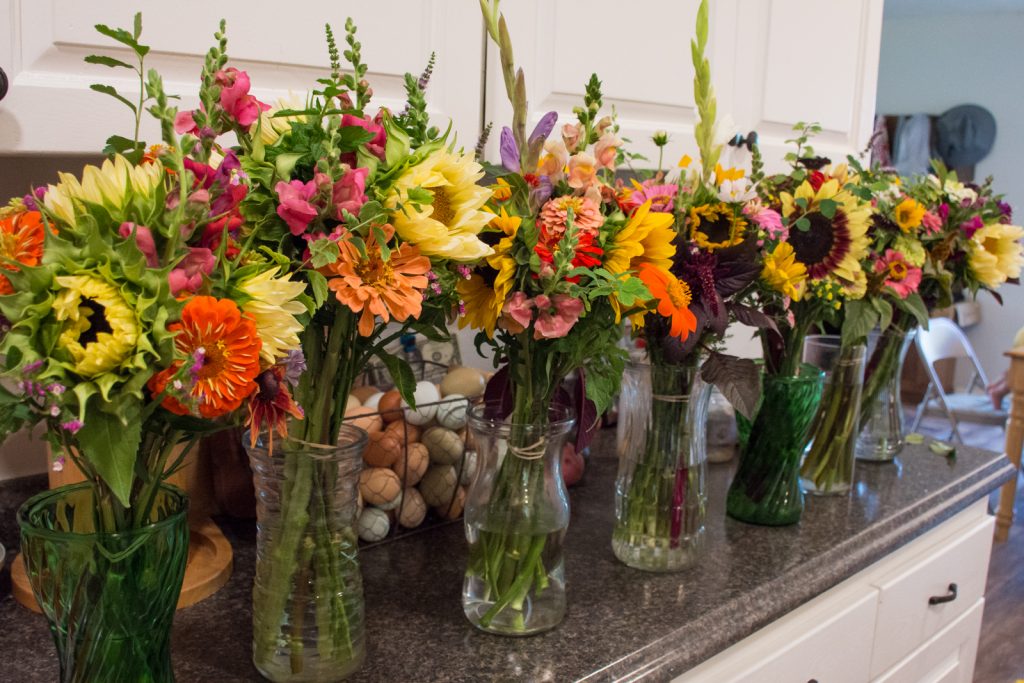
(621, 624)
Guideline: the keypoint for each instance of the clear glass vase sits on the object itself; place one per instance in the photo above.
(881, 416)
(661, 488)
(766, 486)
(109, 598)
(828, 463)
(308, 612)
(516, 516)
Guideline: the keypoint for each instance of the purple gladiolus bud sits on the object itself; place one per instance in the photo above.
(509, 150)
(544, 127)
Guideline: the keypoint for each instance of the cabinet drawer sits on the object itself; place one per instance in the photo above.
(825, 641)
(905, 616)
(947, 658)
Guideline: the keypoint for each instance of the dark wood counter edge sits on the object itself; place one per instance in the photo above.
(663, 659)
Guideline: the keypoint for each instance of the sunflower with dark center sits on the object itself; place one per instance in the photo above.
(716, 226)
(828, 229)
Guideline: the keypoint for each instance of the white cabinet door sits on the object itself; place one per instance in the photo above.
(50, 109)
(774, 62)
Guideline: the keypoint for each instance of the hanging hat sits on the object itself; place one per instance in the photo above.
(964, 135)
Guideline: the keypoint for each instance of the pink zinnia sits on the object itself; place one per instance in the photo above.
(662, 197)
(586, 215)
(767, 219)
(295, 208)
(556, 316)
(901, 277)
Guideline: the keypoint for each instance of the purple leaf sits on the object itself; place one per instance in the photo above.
(544, 127)
(509, 150)
(498, 395)
(753, 317)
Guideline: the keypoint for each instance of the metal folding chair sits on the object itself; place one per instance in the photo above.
(945, 340)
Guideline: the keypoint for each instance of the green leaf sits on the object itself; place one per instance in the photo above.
(860, 318)
(801, 202)
(739, 380)
(417, 195)
(124, 37)
(828, 207)
(319, 284)
(137, 25)
(401, 375)
(942, 448)
(111, 447)
(914, 438)
(884, 309)
(109, 90)
(103, 60)
(323, 252)
(398, 144)
(803, 224)
(632, 290)
(285, 163)
(14, 356)
(914, 305)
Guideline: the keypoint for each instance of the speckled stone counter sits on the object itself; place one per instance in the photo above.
(621, 623)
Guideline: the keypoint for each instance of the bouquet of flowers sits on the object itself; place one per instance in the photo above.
(375, 213)
(133, 328)
(547, 301)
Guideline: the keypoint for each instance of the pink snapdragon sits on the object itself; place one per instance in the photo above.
(184, 122)
(187, 276)
(555, 315)
(235, 97)
(606, 149)
(582, 170)
(143, 240)
(295, 208)
(901, 277)
(349, 192)
(517, 313)
(377, 144)
(972, 226)
(931, 222)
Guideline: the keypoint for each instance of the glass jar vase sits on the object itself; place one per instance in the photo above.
(828, 463)
(308, 612)
(661, 488)
(881, 410)
(766, 486)
(109, 597)
(516, 516)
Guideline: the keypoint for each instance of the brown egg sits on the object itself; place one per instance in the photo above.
(365, 418)
(379, 485)
(404, 431)
(390, 406)
(382, 449)
(453, 511)
(411, 468)
(467, 382)
(412, 510)
(364, 392)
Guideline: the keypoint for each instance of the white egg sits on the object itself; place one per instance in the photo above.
(426, 396)
(373, 400)
(373, 525)
(452, 413)
(391, 504)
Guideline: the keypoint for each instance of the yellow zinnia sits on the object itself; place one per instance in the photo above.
(111, 185)
(908, 214)
(99, 330)
(449, 226)
(784, 273)
(273, 307)
(995, 253)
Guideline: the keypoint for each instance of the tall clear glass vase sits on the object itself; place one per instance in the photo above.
(661, 488)
(308, 622)
(881, 421)
(516, 516)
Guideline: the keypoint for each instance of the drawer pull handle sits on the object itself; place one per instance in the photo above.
(948, 597)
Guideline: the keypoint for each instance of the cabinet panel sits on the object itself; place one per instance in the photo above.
(50, 109)
(947, 658)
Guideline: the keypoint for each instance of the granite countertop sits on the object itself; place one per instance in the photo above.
(621, 623)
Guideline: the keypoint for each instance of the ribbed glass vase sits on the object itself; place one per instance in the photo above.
(308, 612)
(109, 598)
(661, 488)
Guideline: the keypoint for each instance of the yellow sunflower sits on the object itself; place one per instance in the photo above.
(99, 330)
(827, 229)
(995, 253)
(646, 238)
(272, 306)
(715, 226)
(784, 273)
(908, 214)
(449, 226)
(483, 296)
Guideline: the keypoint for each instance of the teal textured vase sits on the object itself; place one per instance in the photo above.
(766, 487)
(109, 597)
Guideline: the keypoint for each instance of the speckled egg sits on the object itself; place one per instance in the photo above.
(454, 509)
(379, 485)
(390, 406)
(411, 468)
(425, 395)
(438, 485)
(365, 418)
(444, 445)
(406, 433)
(382, 449)
(373, 525)
(463, 381)
(452, 413)
(413, 509)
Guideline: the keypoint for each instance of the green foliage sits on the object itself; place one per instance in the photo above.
(414, 119)
(401, 375)
(860, 318)
(704, 97)
(111, 444)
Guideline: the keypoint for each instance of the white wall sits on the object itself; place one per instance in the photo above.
(931, 63)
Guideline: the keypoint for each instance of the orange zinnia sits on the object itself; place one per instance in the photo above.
(226, 348)
(673, 297)
(376, 287)
(21, 240)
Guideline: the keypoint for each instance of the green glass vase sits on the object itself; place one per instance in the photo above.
(766, 487)
(109, 598)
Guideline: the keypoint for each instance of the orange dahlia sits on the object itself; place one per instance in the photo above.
(225, 350)
(673, 297)
(374, 286)
(21, 240)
